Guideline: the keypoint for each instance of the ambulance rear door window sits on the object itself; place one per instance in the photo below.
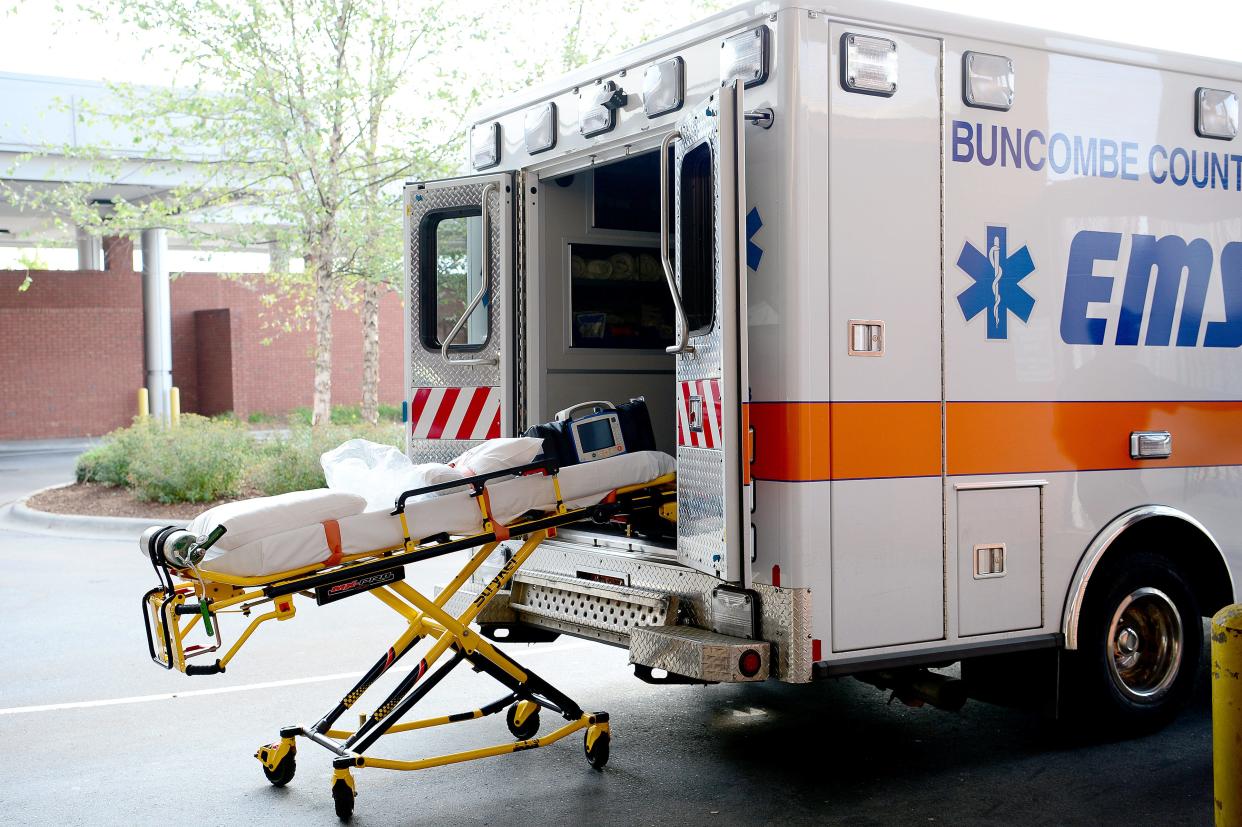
(697, 238)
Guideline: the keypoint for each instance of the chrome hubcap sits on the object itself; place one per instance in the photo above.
(1145, 645)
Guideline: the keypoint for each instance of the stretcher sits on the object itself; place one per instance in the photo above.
(192, 597)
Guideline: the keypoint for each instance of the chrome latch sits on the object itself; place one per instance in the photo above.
(989, 560)
(695, 414)
(866, 337)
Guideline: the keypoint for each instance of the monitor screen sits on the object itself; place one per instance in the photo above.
(596, 435)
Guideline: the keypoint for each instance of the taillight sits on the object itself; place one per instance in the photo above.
(748, 664)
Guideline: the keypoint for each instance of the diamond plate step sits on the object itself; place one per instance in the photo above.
(589, 605)
(697, 653)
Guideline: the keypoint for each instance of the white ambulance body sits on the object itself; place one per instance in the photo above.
(956, 325)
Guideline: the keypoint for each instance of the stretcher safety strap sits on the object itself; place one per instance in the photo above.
(332, 533)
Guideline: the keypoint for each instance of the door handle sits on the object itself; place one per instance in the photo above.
(683, 328)
(478, 297)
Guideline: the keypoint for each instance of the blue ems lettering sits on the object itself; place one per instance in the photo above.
(1181, 268)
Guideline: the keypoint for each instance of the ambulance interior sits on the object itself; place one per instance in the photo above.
(607, 314)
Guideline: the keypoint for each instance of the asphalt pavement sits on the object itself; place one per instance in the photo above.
(95, 733)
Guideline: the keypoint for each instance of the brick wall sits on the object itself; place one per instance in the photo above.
(72, 353)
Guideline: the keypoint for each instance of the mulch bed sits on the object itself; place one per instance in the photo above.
(97, 500)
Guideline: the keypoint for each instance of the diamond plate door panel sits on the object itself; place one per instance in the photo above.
(449, 383)
(713, 523)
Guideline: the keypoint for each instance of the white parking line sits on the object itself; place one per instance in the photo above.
(223, 690)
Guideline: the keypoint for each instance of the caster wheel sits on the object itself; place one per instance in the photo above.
(596, 753)
(343, 797)
(284, 771)
(529, 727)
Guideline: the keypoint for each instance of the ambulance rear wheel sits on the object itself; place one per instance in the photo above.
(284, 771)
(1139, 649)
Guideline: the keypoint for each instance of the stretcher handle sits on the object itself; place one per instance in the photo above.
(683, 327)
(478, 297)
(548, 466)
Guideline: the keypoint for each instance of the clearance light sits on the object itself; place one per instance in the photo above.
(662, 87)
(485, 145)
(744, 57)
(987, 81)
(1216, 114)
(599, 115)
(868, 65)
(541, 128)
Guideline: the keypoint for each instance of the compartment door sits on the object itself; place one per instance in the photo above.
(713, 471)
(459, 260)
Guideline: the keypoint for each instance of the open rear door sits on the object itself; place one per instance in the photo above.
(708, 279)
(459, 254)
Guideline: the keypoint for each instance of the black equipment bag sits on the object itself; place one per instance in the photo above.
(558, 443)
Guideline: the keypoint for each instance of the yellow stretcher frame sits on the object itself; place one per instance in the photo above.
(189, 598)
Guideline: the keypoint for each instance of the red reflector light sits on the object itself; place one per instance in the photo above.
(748, 664)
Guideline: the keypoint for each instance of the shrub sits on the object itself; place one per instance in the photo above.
(300, 416)
(200, 461)
(108, 462)
(260, 418)
(291, 463)
(390, 413)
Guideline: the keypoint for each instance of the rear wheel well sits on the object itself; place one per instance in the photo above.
(1185, 547)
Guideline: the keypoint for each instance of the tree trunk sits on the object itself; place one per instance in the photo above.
(370, 352)
(321, 407)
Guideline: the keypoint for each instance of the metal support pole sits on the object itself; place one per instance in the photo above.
(157, 320)
(90, 251)
(1227, 715)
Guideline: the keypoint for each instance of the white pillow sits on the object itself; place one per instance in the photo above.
(497, 455)
(249, 520)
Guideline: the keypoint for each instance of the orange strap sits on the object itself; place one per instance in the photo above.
(501, 531)
(332, 533)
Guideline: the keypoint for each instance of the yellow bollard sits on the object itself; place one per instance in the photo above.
(144, 405)
(1227, 715)
(174, 406)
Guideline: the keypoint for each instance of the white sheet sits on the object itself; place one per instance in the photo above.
(453, 513)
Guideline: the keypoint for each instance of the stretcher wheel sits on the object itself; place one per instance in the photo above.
(528, 728)
(596, 753)
(343, 798)
(284, 771)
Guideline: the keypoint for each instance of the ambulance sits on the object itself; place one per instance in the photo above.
(940, 318)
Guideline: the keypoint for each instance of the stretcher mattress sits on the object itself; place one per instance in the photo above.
(454, 513)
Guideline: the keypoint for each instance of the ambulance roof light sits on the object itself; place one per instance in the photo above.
(663, 87)
(987, 81)
(868, 65)
(744, 57)
(1216, 114)
(598, 108)
(541, 128)
(485, 145)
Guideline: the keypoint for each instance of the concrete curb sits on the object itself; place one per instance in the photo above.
(22, 516)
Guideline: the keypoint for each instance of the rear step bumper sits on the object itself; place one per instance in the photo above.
(558, 591)
(700, 654)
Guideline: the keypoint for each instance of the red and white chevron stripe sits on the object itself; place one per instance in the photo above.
(698, 414)
(455, 413)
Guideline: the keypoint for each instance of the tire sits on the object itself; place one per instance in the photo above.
(284, 771)
(1139, 648)
(597, 753)
(343, 798)
(529, 727)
